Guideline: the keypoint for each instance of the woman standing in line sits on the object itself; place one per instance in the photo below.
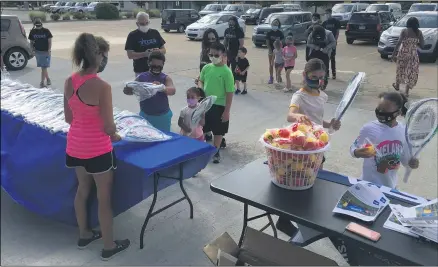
(233, 41)
(88, 109)
(210, 36)
(271, 37)
(406, 55)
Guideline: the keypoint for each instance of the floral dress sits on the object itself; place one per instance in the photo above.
(408, 62)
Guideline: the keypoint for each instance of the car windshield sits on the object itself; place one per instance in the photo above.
(342, 8)
(231, 8)
(277, 5)
(426, 21)
(210, 7)
(284, 19)
(252, 10)
(78, 4)
(378, 8)
(58, 4)
(364, 18)
(422, 8)
(93, 4)
(209, 19)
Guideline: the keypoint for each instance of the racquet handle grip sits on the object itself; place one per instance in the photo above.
(331, 130)
(407, 174)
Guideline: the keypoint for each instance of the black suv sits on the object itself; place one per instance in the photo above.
(368, 26)
(266, 11)
(251, 16)
(178, 19)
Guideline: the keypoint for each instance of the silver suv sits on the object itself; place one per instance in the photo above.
(15, 49)
(428, 26)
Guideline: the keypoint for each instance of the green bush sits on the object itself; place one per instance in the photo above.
(122, 15)
(106, 11)
(90, 15)
(37, 14)
(154, 13)
(66, 16)
(55, 16)
(79, 15)
(135, 11)
(129, 14)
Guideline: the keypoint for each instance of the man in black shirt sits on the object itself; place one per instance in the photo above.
(316, 20)
(141, 42)
(271, 36)
(233, 40)
(41, 41)
(332, 25)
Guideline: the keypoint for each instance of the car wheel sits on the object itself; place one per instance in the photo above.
(80, 11)
(15, 59)
(258, 45)
(167, 30)
(181, 28)
(191, 39)
(350, 41)
(382, 56)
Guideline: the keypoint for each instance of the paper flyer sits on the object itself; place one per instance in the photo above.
(361, 201)
(424, 215)
(429, 233)
(394, 224)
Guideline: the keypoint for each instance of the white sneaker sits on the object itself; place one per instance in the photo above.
(286, 90)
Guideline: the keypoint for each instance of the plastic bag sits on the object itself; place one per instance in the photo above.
(144, 90)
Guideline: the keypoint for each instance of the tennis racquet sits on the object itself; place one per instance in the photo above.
(144, 90)
(421, 127)
(201, 109)
(348, 97)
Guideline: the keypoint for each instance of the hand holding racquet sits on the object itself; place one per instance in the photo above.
(421, 127)
(348, 97)
(201, 109)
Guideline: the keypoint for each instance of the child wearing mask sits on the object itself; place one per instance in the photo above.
(289, 55)
(271, 36)
(278, 60)
(387, 136)
(307, 106)
(156, 110)
(241, 71)
(194, 95)
(217, 79)
(210, 36)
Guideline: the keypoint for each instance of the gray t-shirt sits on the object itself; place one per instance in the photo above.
(311, 105)
(278, 54)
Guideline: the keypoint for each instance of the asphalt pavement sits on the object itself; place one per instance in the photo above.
(171, 238)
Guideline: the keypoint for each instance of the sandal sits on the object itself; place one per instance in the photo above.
(397, 88)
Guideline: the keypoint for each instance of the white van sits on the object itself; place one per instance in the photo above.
(342, 12)
(394, 8)
(423, 7)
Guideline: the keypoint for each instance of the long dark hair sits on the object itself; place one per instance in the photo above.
(236, 22)
(205, 42)
(197, 91)
(399, 99)
(86, 49)
(278, 21)
(414, 24)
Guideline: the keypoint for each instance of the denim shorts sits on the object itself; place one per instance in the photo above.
(43, 59)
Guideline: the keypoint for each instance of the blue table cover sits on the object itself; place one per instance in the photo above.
(33, 169)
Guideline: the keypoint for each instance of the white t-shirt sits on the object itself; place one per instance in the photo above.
(186, 115)
(391, 150)
(311, 105)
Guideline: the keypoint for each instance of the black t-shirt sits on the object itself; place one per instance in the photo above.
(332, 25)
(271, 36)
(233, 35)
(242, 64)
(139, 41)
(40, 37)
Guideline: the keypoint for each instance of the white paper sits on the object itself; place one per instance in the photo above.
(428, 233)
(420, 216)
(361, 201)
(394, 224)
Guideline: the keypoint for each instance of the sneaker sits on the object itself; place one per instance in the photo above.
(208, 137)
(237, 91)
(334, 76)
(286, 226)
(121, 245)
(49, 82)
(223, 143)
(217, 158)
(271, 80)
(84, 242)
(286, 90)
(244, 92)
(42, 85)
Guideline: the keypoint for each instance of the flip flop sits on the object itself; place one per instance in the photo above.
(395, 87)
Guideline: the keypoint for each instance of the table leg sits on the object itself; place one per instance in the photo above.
(245, 223)
(149, 215)
(271, 222)
(184, 191)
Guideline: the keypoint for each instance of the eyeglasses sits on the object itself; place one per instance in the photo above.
(211, 55)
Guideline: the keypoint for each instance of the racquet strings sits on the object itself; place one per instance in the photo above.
(349, 94)
(422, 123)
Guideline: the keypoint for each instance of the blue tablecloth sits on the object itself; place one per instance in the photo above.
(33, 169)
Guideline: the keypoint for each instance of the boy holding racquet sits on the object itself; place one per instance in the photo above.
(382, 143)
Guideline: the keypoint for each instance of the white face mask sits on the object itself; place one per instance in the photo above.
(215, 60)
(143, 28)
(315, 21)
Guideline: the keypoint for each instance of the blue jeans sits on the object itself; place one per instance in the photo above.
(161, 122)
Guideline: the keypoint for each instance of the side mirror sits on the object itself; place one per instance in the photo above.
(391, 23)
(219, 22)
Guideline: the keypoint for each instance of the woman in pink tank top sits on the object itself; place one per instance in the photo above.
(89, 111)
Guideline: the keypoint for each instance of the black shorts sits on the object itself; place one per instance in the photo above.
(213, 121)
(289, 68)
(238, 77)
(96, 165)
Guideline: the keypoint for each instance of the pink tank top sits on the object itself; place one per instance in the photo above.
(86, 138)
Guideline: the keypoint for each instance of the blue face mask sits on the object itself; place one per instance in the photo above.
(313, 84)
(275, 28)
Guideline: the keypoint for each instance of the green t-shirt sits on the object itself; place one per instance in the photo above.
(217, 81)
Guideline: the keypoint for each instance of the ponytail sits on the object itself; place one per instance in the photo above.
(397, 98)
(85, 51)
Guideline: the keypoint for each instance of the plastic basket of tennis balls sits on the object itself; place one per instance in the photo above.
(295, 154)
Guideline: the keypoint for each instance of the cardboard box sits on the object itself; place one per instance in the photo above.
(260, 249)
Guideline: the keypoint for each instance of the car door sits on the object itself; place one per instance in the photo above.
(6, 40)
(298, 28)
(222, 25)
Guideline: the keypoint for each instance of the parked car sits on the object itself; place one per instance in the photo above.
(66, 7)
(178, 19)
(237, 9)
(423, 7)
(212, 9)
(368, 26)
(394, 8)
(343, 12)
(219, 22)
(46, 7)
(78, 7)
(91, 7)
(266, 11)
(251, 16)
(55, 8)
(288, 7)
(428, 26)
(15, 47)
(295, 23)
